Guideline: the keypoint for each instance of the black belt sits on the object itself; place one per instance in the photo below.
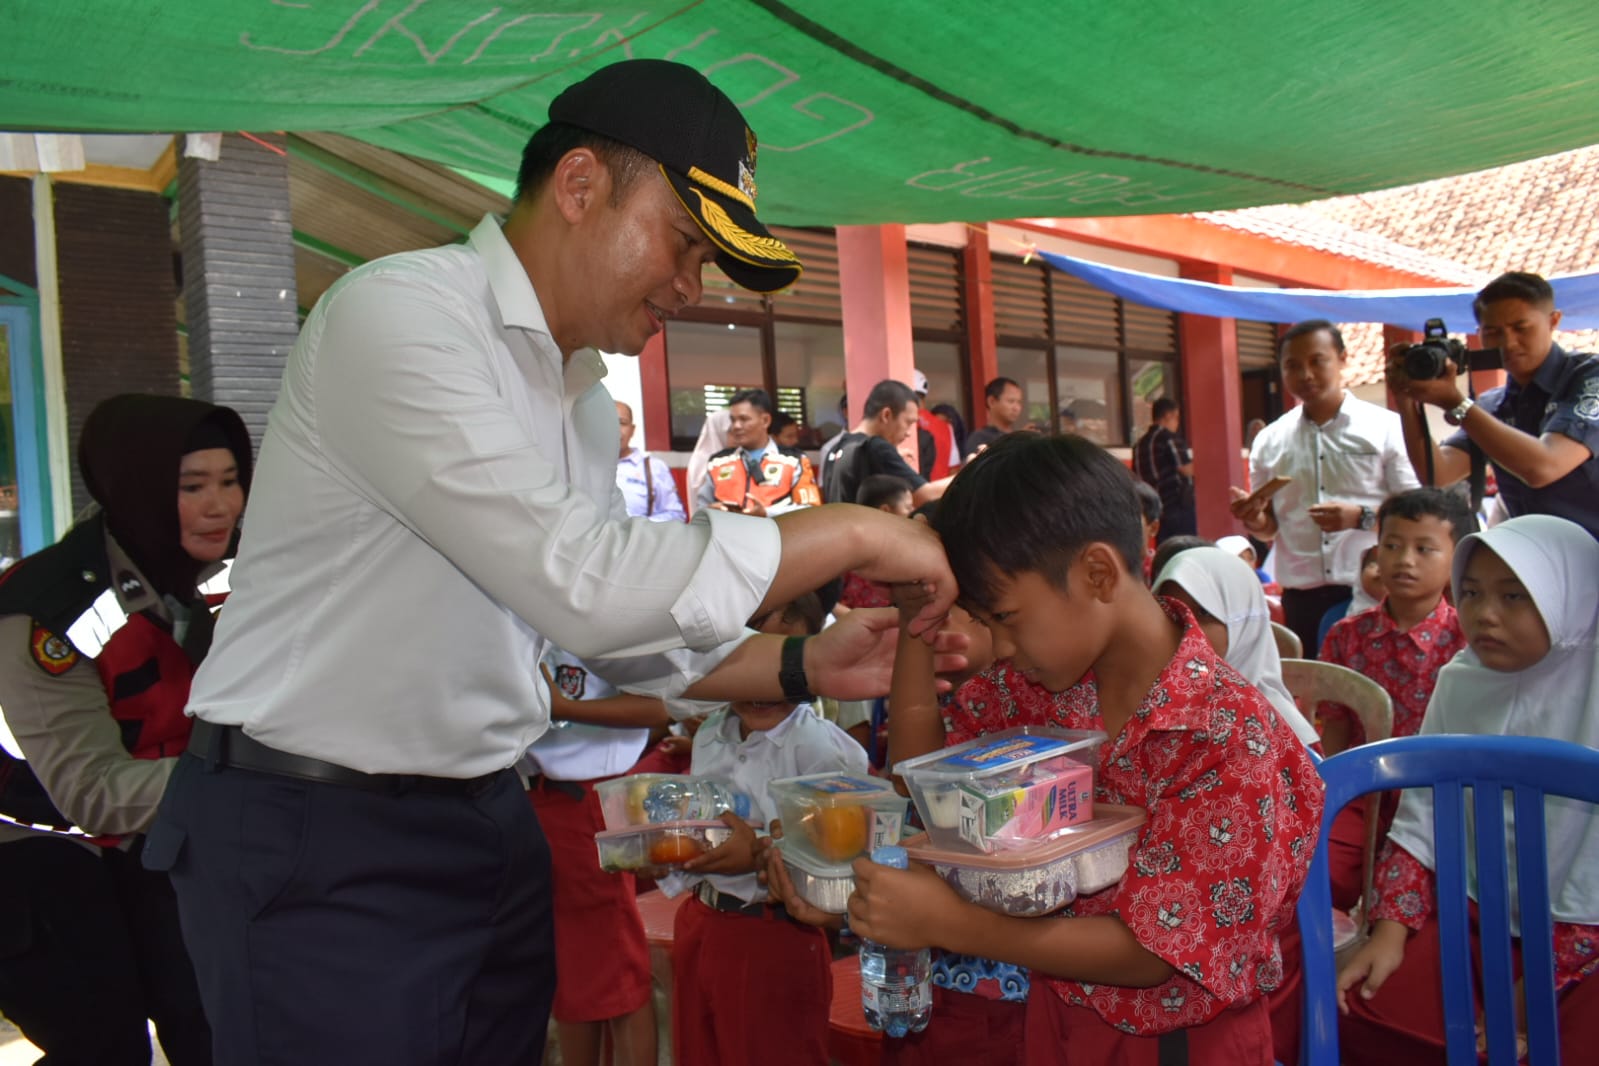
(227, 745)
(728, 904)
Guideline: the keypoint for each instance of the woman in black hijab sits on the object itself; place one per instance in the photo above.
(100, 635)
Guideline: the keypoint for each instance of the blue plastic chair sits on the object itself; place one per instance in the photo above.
(1532, 768)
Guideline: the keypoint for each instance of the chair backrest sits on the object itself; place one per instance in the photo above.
(1289, 646)
(1311, 682)
(1528, 767)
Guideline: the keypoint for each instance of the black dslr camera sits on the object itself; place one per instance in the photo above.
(1439, 355)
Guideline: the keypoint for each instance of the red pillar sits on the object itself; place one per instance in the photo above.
(1212, 409)
(655, 395)
(978, 283)
(875, 288)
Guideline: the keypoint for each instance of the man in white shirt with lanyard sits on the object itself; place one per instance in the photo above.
(359, 874)
(648, 490)
(1344, 456)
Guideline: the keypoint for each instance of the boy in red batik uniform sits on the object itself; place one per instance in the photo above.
(1174, 962)
(1401, 644)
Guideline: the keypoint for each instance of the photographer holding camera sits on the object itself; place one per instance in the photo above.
(1540, 430)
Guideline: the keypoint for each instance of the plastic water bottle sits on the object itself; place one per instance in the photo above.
(896, 985)
(693, 799)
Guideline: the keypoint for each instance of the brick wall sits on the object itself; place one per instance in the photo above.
(118, 293)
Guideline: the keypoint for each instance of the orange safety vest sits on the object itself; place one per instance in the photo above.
(786, 475)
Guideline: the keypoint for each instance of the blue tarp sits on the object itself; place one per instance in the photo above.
(1576, 295)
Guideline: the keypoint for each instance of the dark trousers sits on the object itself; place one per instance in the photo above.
(333, 925)
(1303, 608)
(1177, 520)
(90, 949)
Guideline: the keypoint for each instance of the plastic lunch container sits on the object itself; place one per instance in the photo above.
(658, 846)
(824, 885)
(837, 817)
(1045, 876)
(654, 799)
(1005, 789)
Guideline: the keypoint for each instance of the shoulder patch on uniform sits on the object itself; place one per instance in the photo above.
(1587, 406)
(55, 655)
(571, 680)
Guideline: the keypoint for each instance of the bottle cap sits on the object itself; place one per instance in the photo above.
(742, 806)
(891, 855)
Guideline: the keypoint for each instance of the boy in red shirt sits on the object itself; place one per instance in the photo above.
(1174, 962)
(1401, 644)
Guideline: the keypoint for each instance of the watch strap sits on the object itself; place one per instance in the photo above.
(791, 671)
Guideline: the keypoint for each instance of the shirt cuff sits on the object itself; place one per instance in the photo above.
(734, 573)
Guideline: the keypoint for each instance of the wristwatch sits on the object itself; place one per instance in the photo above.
(1457, 414)
(1368, 518)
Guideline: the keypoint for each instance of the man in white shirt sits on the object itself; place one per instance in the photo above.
(1344, 456)
(359, 873)
(648, 490)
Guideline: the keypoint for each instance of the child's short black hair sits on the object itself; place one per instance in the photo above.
(879, 489)
(1173, 546)
(1033, 504)
(1442, 504)
(1148, 499)
(806, 609)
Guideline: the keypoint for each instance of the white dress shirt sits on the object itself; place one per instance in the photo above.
(802, 743)
(636, 473)
(1357, 456)
(436, 502)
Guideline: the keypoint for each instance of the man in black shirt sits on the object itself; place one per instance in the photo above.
(1540, 429)
(890, 415)
(1161, 458)
(1003, 398)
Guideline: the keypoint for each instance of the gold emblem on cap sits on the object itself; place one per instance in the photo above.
(757, 249)
(710, 181)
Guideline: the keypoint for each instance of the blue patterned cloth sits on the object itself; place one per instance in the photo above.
(980, 977)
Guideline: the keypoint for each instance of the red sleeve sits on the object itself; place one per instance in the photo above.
(977, 708)
(1335, 649)
(1404, 888)
(1220, 861)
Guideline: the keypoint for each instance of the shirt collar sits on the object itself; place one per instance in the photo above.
(1548, 374)
(133, 590)
(1384, 624)
(778, 736)
(1164, 707)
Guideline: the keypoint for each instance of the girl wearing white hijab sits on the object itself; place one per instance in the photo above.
(1230, 607)
(1527, 592)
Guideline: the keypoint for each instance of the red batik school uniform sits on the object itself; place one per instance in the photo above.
(1405, 662)
(1405, 1023)
(602, 961)
(786, 478)
(1234, 808)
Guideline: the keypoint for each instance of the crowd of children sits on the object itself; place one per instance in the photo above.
(1070, 620)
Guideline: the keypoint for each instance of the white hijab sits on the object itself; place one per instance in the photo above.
(713, 438)
(1228, 590)
(1558, 562)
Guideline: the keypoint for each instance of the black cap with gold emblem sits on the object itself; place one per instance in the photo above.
(672, 114)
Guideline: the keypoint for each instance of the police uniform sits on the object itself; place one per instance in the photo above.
(100, 636)
(774, 476)
(1562, 397)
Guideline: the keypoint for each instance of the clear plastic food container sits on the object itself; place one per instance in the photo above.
(1007, 789)
(1042, 877)
(655, 799)
(824, 885)
(837, 817)
(658, 847)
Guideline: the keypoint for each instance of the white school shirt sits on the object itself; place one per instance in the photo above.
(802, 743)
(1358, 456)
(435, 503)
(577, 751)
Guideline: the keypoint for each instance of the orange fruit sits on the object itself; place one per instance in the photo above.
(672, 850)
(837, 833)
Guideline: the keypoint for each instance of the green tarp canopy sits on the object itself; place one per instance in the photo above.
(868, 111)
